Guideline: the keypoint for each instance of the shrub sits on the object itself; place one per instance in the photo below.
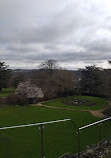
(17, 100)
(107, 112)
(3, 101)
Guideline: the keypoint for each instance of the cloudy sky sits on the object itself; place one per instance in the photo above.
(73, 32)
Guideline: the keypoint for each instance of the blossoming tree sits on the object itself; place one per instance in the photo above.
(29, 90)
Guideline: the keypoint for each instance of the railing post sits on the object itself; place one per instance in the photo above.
(78, 143)
(41, 130)
(100, 134)
(42, 146)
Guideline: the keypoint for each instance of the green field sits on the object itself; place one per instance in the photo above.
(59, 138)
(6, 91)
(100, 103)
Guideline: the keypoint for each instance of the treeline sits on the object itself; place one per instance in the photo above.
(52, 79)
(95, 81)
(57, 82)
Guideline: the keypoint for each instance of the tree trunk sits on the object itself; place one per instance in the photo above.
(110, 103)
(30, 100)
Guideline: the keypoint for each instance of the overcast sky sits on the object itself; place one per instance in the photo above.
(76, 33)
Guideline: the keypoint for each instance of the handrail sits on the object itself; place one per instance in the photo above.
(94, 123)
(34, 124)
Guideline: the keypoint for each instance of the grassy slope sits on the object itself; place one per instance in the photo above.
(59, 138)
(58, 103)
(6, 91)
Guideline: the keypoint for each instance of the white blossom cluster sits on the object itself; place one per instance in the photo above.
(29, 90)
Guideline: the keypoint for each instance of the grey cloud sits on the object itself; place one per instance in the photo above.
(68, 31)
(99, 45)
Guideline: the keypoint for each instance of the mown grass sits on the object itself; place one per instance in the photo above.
(100, 103)
(6, 91)
(59, 138)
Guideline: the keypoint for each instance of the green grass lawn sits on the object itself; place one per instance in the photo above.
(59, 138)
(100, 103)
(6, 91)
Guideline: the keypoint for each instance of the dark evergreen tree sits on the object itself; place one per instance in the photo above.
(5, 73)
(91, 79)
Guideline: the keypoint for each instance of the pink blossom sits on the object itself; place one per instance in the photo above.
(29, 90)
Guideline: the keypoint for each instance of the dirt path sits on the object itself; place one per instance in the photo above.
(99, 113)
(54, 107)
(96, 113)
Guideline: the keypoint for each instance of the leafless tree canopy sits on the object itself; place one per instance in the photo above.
(49, 64)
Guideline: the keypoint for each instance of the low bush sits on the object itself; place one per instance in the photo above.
(17, 100)
(3, 101)
(107, 112)
(14, 99)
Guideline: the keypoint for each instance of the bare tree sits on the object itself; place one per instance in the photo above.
(53, 80)
(109, 61)
(49, 65)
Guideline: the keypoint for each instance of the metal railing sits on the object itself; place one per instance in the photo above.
(89, 125)
(98, 122)
(78, 129)
(34, 124)
(41, 130)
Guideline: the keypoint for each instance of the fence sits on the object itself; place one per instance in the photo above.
(95, 133)
(41, 128)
